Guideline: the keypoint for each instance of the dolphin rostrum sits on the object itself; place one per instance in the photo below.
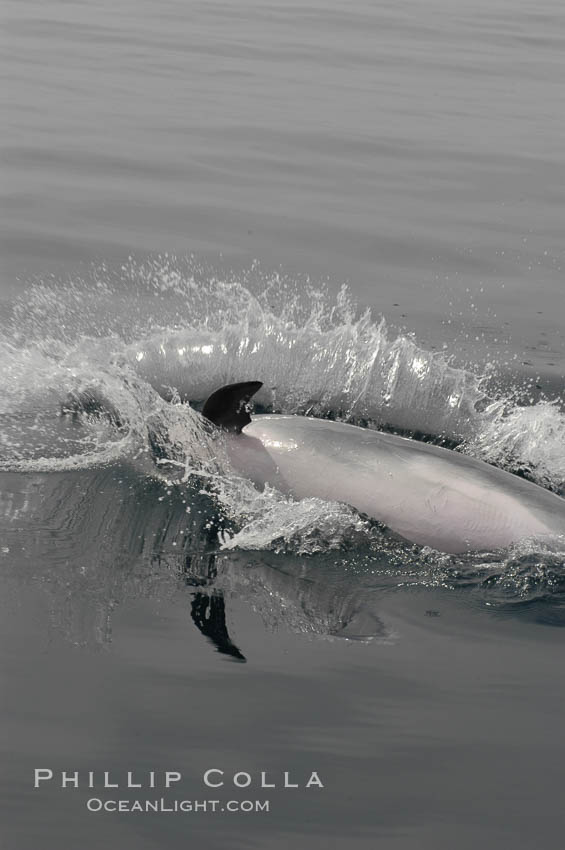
(428, 495)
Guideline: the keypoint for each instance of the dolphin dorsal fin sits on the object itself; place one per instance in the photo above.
(228, 406)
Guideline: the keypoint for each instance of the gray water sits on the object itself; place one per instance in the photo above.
(185, 187)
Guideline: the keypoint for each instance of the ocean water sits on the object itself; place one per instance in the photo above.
(359, 205)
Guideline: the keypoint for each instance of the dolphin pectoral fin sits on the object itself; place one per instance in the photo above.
(228, 407)
(208, 613)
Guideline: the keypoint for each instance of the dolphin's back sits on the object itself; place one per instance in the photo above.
(427, 494)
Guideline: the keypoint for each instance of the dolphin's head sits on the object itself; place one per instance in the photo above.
(229, 406)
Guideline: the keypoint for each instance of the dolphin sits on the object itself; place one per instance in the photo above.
(426, 494)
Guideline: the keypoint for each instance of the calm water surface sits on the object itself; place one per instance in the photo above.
(158, 615)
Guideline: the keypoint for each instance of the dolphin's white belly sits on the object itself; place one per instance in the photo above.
(428, 495)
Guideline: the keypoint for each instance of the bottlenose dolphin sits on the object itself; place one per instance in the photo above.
(428, 495)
